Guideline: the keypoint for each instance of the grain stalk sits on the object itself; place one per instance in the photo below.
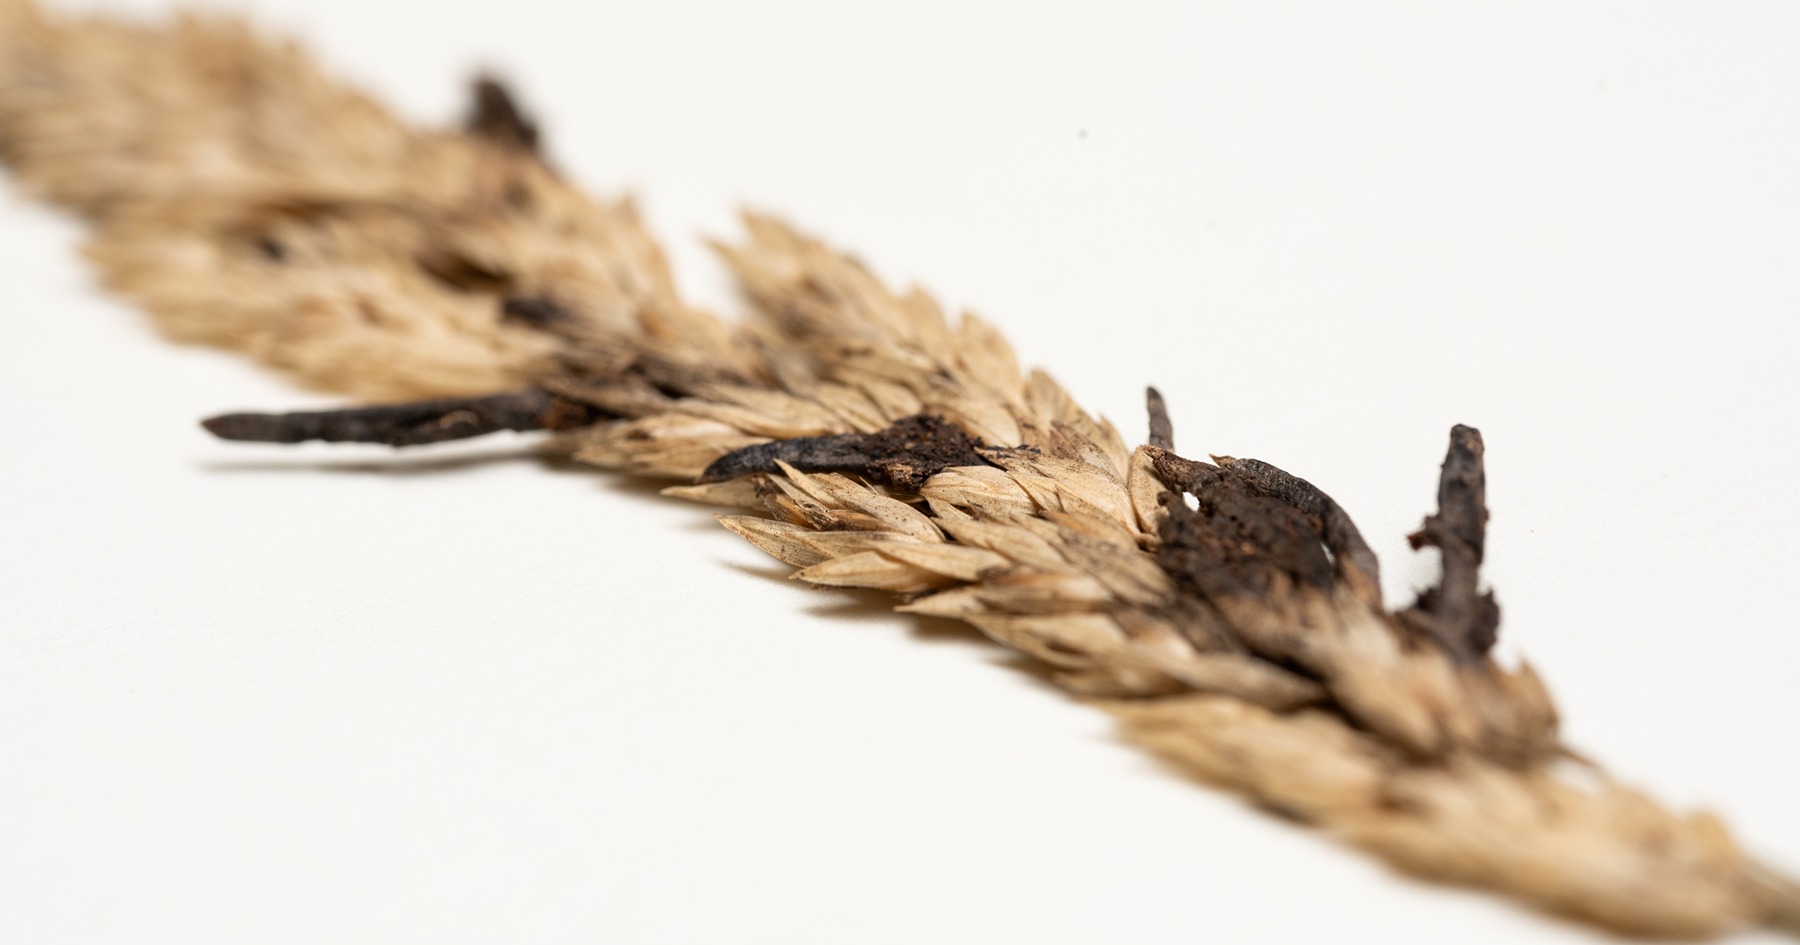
(1227, 613)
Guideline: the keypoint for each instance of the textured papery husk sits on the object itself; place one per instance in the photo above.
(1596, 851)
(246, 200)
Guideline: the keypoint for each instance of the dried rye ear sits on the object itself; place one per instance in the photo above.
(1229, 614)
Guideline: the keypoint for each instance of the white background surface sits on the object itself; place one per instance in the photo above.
(460, 695)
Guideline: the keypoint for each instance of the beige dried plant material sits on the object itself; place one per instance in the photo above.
(1227, 613)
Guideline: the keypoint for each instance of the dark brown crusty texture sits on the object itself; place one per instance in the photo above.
(1235, 541)
(903, 455)
(411, 424)
(1456, 613)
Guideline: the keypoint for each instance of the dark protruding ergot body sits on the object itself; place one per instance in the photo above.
(1237, 540)
(902, 456)
(495, 114)
(1162, 431)
(1354, 560)
(411, 424)
(1462, 619)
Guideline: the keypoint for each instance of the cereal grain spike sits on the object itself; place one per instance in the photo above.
(1228, 614)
